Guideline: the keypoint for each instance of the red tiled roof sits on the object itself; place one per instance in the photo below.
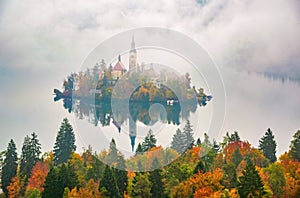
(119, 66)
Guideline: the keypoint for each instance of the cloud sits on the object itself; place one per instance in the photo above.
(50, 39)
(250, 35)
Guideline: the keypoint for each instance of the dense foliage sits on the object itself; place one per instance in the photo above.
(232, 168)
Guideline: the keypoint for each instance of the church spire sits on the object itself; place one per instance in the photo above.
(132, 57)
(132, 43)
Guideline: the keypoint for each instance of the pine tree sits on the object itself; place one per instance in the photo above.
(178, 142)
(31, 151)
(51, 185)
(95, 170)
(229, 179)
(139, 149)
(188, 135)
(268, 146)
(206, 142)
(71, 177)
(59, 178)
(235, 137)
(108, 185)
(216, 147)
(141, 186)
(113, 153)
(25, 162)
(149, 141)
(35, 146)
(10, 164)
(236, 157)
(295, 146)
(155, 177)
(121, 174)
(250, 183)
(199, 167)
(65, 143)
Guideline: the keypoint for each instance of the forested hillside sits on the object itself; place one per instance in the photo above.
(230, 168)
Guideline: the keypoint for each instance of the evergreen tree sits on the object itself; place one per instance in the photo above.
(35, 146)
(139, 149)
(25, 157)
(199, 167)
(63, 178)
(268, 146)
(31, 151)
(216, 147)
(250, 183)
(208, 153)
(206, 142)
(188, 135)
(108, 185)
(236, 157)
(113, 154)
(155, 177)
(178, 142)
(198, 142)
(229, 179)
(121, 175)
(71, 177)
(141, 186)
(235, 137)
(295, 146)
(52, 185)
(149, 141)
(10, 164)
(58, 179)
(65, 143)
(96, 169)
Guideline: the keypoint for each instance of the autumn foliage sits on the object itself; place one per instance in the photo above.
(38, 176)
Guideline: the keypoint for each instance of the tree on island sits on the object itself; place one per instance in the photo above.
(10, 164)
(65, 143)
(268, 146)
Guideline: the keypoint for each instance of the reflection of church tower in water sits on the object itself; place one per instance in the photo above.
(132, 69)
(132, 132)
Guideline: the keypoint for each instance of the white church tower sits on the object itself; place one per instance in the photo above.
(132, 57)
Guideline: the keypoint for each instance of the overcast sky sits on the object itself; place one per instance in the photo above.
(43, 41)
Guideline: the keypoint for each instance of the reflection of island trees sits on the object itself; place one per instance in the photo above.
(111, 94)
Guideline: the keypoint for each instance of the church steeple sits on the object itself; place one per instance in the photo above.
(132, 44)
(132, 57)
